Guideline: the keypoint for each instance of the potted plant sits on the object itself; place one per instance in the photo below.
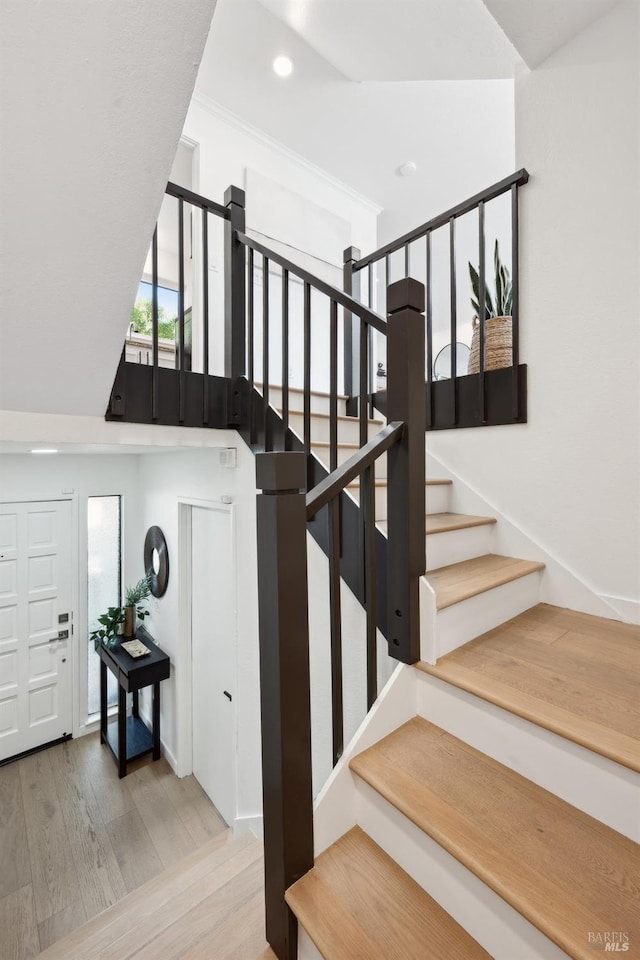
(497, 324)
(134, 598)
(111, 624)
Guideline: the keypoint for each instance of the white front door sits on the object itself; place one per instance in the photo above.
(35, 624)
(213, 651)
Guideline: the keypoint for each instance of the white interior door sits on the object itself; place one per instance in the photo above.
(35, 624)
(213, 651)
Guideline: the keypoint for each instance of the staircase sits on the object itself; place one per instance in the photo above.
(501, 817)
(488, 803)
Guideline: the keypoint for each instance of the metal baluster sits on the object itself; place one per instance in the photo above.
(368, 508)
(515, 306)
(454, 313)
(265, 348)
(407, 262)
(205, 316)
(181, 310)
(363, 406)
(336, 630)
(306, 429)
(285, 352)
(154, 324)
(333, 387)
(371, 376)
(482, 297)
(251, 319)
(429, 332)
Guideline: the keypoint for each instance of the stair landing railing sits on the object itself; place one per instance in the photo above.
(284, 509)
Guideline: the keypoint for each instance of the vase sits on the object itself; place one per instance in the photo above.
(497, 344)
(129, 622)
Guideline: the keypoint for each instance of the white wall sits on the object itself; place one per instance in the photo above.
(315, 218)
(164, 479)
(570, 477)
(98, 96)
(28, 477)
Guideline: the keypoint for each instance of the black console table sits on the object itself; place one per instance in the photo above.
(130, 738)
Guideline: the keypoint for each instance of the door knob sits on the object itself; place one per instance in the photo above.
(227, 694)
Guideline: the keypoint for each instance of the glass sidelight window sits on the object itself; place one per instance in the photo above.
(104, 583)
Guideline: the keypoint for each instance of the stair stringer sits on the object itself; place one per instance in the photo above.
(334, 808)
(559, 586)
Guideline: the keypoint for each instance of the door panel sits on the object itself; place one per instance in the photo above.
(35, 589)
(213, 657)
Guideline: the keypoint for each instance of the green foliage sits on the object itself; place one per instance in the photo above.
(136, 595)
(142, 320)
(108, 632)
(503, 304)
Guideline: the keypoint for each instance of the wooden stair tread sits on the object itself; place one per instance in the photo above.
(446, 522)
(427, 483)
(194, 897)
(358, 904)
(460, 581)
(553, 671)
(564, 871)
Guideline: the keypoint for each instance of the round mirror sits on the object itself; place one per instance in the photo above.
(156, 561)
(442, 363)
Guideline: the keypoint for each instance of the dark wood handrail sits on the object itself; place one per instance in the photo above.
(518, 179)
(338, 296)
(331, 486)
(181, 193)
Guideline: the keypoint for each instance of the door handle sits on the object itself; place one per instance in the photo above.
(227, 694)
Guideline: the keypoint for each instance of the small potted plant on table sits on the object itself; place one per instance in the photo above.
(134, 598)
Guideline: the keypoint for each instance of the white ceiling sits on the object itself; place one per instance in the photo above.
(537, 28)
(360, 132)
(403, 39)
(94, 100)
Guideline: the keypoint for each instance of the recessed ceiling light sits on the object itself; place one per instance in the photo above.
(44, 450)
(407, 169)
(283, 66)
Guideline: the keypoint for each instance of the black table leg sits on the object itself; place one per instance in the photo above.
(122, 732)
(156, 721)
(103, 702)
(135, 710)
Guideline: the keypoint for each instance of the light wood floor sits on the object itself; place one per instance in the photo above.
(574, 674)
(74, 839)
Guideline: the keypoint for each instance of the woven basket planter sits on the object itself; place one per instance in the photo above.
(497, 344)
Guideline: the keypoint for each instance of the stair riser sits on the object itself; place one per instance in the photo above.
(381, 501)
(603, 789)
(344, 454)
(500, 929)
(307, 949)
(438, 498)
(464, 621)
(454, 546)
(348, 431)
(319, 404)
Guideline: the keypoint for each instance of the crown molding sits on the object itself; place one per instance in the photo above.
(227, 116)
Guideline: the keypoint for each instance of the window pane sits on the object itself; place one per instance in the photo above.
(104, 583)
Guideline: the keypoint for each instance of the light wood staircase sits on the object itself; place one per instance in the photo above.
(489, 804)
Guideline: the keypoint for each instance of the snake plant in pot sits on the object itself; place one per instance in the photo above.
(497, 325)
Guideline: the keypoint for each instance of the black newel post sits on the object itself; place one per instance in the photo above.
(234, 296)
(284, 685)
(351, 283)
(406, 467)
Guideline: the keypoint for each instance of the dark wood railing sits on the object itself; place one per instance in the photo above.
(283, 512)
(493, 396)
